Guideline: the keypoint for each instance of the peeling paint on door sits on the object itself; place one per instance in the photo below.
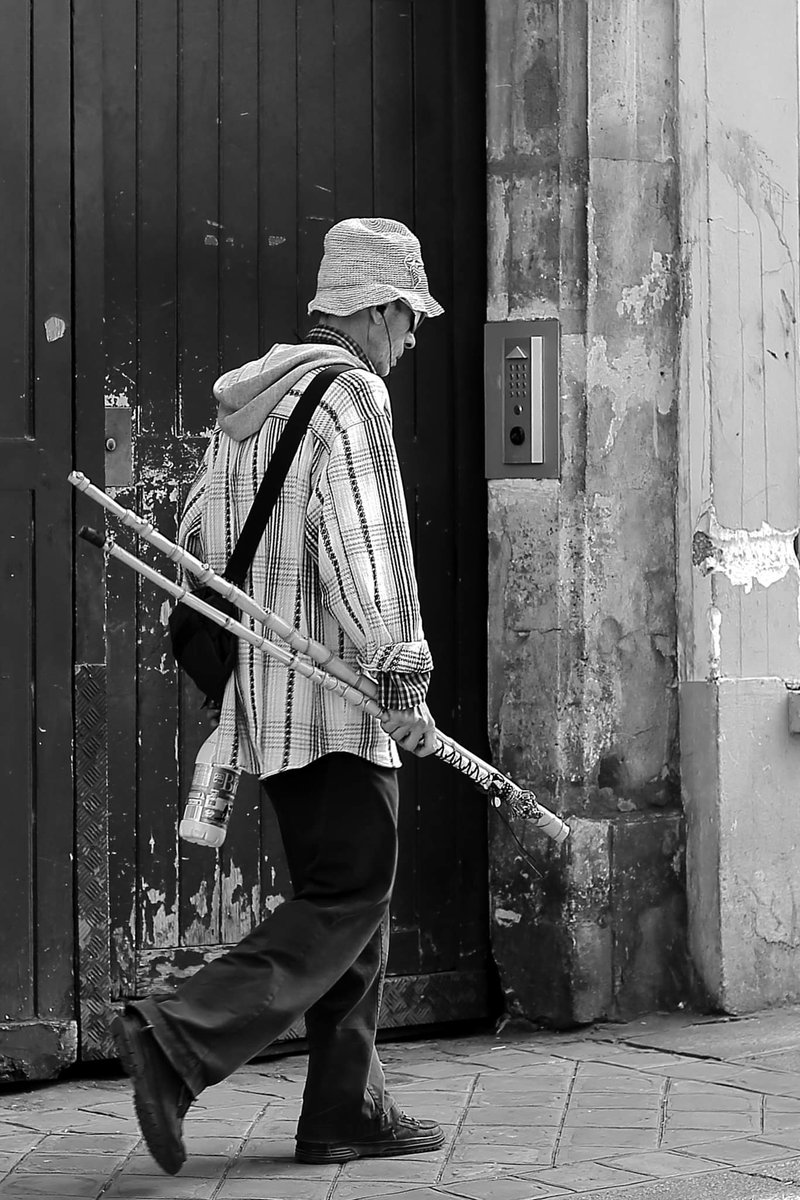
(240, 908)
(160, 925)
(205, 907)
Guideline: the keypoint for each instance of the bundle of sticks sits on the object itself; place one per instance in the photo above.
(309, 658)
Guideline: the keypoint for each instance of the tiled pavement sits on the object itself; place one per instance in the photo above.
(675, 1108)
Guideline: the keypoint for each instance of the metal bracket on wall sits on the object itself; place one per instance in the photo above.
(119, 447)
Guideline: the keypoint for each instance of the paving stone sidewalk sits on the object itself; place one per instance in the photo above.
(674, 1108)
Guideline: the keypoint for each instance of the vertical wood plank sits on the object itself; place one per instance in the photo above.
(199, 875)
(444, 603)
(316, 173)
(240, 252)
(393, 157)
(16, 553)
(14, 234)
(119, 142)
(157, 185)
(465, 315)
(124, 882)
(157, 768)
(352, 66)
(240, 877)
(240, 243)
(275, 882)
(52, 301)
(277, 167)
(17, 751)
(434, 414)
(199, 216)
(393, 108)
(199, 869)
(89, 299)
(121, 384)
(200, 234)
(157, 690)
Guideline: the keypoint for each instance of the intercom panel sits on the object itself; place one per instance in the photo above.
(522, 408)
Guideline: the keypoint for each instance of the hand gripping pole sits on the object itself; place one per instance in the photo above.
(329, 672)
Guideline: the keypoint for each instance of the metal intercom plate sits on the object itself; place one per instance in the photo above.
(522, 408)
(119, 447)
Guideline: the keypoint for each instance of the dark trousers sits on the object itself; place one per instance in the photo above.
(322, 953)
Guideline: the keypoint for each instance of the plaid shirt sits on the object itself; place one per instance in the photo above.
(335, 562)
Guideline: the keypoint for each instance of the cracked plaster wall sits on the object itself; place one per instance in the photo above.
(739, 496)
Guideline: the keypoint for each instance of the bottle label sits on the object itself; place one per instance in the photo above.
(211, 794)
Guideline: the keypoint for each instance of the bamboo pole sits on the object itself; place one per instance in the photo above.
(324, 669)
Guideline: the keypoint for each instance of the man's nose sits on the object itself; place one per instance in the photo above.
(409, 341)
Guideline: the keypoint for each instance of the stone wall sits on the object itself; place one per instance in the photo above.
(583, 225)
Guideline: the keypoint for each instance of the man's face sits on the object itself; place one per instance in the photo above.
(392, 333)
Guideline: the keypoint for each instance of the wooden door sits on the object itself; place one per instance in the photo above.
(37, 1018)
(233, 135)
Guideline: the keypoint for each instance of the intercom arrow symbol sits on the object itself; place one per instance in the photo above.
(517, 352)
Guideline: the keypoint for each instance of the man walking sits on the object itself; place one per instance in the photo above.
(335, 560)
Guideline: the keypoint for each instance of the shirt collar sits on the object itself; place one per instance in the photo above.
(335, 337)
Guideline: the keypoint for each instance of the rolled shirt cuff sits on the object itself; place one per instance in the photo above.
(402, 658)
(403, 691)
(402, 672)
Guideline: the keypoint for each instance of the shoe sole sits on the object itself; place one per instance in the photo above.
(146, 1113)
(307, 1152)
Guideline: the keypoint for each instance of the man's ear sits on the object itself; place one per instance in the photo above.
(376, 312)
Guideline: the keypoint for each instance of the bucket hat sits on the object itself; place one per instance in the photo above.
(371, 260)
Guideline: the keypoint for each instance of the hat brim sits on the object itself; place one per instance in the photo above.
(344, 301)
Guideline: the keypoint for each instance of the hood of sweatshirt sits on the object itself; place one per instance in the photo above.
(247, 395)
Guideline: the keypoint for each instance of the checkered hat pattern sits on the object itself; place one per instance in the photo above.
(371, 260)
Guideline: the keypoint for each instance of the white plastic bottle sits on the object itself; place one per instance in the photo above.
(211, 796)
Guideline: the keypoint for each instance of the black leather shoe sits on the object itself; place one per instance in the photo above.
(160, 1096)
(393, 1134)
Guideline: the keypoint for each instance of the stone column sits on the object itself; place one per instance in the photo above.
(738, 497)
(583, 220)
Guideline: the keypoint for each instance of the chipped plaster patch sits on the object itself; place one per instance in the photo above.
(744, 556)
(54, 328)
(625, 379)
(715, 628)
(645, 299)
(504, 916)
